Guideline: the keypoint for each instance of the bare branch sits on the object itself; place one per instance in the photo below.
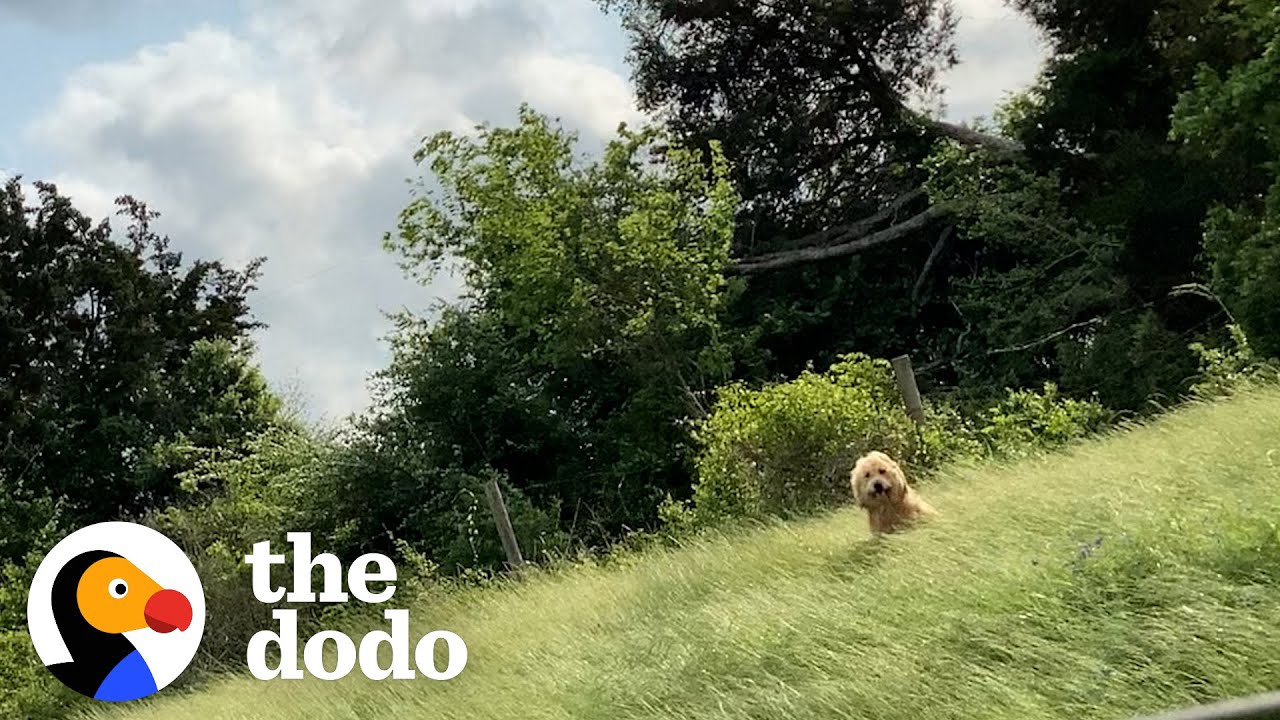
(934, 255)
(1203, 291)
(787, 258)
(973, 138)
(1047, 338)
(839, 233)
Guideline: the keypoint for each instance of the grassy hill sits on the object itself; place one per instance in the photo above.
(1135, 573)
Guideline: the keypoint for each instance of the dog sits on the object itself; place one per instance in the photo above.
(880, 486)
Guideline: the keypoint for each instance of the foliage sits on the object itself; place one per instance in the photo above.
(31, 691)
(386, 487)
(1039, 291)
(1027, 421)
(1099, 119)
(787, 448)
(1232, 117)
(1230, 366)
(1113, 582)
(591, 323)
(807, 100)
(94, 337)
(244, 498)
(805, 96)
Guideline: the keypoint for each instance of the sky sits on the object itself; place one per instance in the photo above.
(286, 129)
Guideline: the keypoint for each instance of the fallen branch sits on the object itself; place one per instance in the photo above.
(934, 255)
(858, 227)
(1047, 338)
(973, 138)
(787, 258)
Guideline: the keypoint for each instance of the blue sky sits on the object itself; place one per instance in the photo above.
(286, 128)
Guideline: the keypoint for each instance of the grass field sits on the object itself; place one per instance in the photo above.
(1136, 573)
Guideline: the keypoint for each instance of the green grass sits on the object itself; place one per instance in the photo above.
(998, 610)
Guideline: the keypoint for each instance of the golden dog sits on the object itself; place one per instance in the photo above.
(880, 486)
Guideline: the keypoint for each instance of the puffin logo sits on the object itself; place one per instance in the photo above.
(116, 611)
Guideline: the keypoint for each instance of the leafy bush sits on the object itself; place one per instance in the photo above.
(1027, 421)
(788, 448)
(31, 692)
(236, 502)
(1229, 366)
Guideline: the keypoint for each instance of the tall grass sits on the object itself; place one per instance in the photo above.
(1131, 574)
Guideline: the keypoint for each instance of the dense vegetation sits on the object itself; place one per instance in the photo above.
(692, 326)
(1044, 593)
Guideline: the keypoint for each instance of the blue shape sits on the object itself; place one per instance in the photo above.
(130, 679)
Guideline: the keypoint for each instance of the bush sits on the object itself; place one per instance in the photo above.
(1228, 367)
(232, 503)
(1029, 421)
(787, 448)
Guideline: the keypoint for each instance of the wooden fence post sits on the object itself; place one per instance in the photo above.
(500, 518)
(906, 378)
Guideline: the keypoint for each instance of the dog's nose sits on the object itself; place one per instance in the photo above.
(877, 487)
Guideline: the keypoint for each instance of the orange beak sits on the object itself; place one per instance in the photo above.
(168, 610)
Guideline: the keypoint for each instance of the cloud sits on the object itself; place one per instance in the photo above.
(1000, 53)
(292, 137)
(81, 15)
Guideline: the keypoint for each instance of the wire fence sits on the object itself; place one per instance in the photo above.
(1256, 707)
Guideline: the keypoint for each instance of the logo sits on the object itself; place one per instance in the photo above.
(116, 611)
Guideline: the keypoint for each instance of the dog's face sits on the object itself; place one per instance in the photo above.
(877, 480)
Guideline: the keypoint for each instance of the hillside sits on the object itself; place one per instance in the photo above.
(1135, 573)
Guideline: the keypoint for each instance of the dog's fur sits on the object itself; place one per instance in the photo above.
(880, 486)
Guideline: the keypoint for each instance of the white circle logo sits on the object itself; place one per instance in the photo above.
(116, 611)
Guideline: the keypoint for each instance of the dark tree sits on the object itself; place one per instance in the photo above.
(94, 337)
(818, 106)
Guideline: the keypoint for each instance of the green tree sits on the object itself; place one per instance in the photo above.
(592, 318)
(1041, 294)
(1100, 119)
(1232, 117)
(100, 340)
(813, 103)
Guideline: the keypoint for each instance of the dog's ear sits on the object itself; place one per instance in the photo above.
(898, 488)
(856, 487)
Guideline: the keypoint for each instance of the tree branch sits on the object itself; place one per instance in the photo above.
(934, 255)
(858, 227)
(973, 138)
(1047, 338)
(787, 258)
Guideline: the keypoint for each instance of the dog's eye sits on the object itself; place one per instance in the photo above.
(881, 471)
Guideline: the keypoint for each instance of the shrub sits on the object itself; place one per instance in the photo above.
(234, 502)
(30, 691)
(787, 448)
(1028, 421)
(1229, 366)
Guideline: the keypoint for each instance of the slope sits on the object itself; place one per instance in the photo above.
(1137, 572)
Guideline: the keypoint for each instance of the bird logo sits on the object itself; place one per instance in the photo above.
(116, 611)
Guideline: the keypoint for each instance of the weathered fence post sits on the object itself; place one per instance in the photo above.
(500, 518)
(907, 386)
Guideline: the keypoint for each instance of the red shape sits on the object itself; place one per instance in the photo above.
(168, 610)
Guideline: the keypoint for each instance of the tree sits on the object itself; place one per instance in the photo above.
(592, 318)
(96, 341)
(1041, 294)
(818, 105)
(1232, 117)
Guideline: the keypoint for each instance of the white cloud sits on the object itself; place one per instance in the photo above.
(1000, 53)
(291, 139)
